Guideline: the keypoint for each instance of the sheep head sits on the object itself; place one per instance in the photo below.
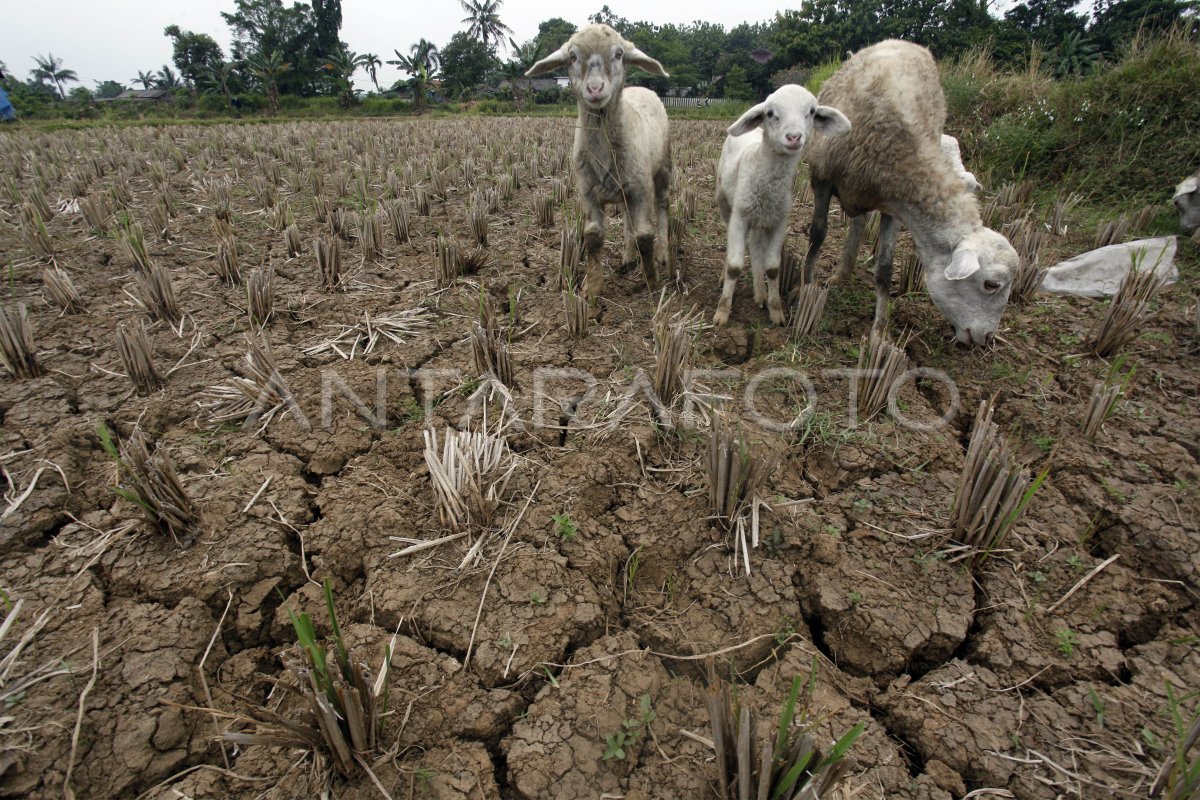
(972, 290)
(1187, 203)
(788, 118)
(596, 58)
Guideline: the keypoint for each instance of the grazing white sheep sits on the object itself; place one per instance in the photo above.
(754, 188)
(892, 161)
(622, 154)
(1187, 203)
(950, 148)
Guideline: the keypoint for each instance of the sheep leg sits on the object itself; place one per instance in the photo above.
(662, 242)
(735, 256)
(889, 231)
(630, 255)
(758, 261)
(822, 193)
(774, 255)
(644, 233)
(593, 245)
(850, 253)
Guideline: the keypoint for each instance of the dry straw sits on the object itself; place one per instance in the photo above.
(809, 307)
(339, 709)
(479, 222)
(258, 397)
(397, 214)
(149, 481)
(17, 352)
(912, 274)
(227, 262)
(154, 293)
(737, 476)
(260, 295)
(543, 212)
(880, 363)
(35, 235)
(1112, 231)
(291, 241)
(786, 763)
(1027, 239)
(371, 236)
(364, 336)
(1062, 207)
(570, 251)
(993, 491)
(96, 212)
(328, 252)
(136, 352)
(1105, 396)
(61, 291)
(790, 273)
(1123, 321)
(448, 262)
(672, 361)
(133, 245)
(470, 471)
(489, 345)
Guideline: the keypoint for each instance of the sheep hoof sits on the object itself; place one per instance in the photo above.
(777, 317)
(721, 317)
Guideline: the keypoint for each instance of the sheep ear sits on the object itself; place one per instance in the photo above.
(1187, 187)
(551, 62)
(963, 264)
(831, 122)
(636, 58)
(748, 121)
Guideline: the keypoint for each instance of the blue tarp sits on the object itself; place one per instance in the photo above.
(7, 114)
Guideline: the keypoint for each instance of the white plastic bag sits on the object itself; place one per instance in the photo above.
(1098, 273)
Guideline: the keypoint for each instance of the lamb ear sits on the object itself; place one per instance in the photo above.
(749, 121)
(963, 264)
(636, 58)
(831, 122)
(1187, 187)
(551, 62)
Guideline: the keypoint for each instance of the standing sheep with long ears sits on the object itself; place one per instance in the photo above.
(622, 154)
(754, 188)
(892, 161)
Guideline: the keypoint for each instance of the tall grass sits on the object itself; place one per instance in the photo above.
(1120, 129)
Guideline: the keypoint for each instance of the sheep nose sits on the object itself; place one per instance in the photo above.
(794, 138)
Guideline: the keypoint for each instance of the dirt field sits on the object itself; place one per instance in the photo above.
(512, 666)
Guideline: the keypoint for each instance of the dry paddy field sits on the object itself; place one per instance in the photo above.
(243, 361)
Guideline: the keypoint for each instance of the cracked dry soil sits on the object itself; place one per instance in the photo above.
(966, 679)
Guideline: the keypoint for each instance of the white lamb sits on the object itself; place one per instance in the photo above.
(892, 161)
(1187, 203)
(950, 148)
(754, 188)
(622, 153)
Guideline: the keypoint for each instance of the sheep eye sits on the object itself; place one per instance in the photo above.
(992, 285)
(619, 54)
(574, 57)
(770, 114)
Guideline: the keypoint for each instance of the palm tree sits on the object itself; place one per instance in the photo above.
(484, 17)
(146, 79)
(166, 78)
(427, 52)
(49, 68)
(371, 62)
(523, 57)
(268, 69)
(342, 65)
(219, 77)
(416, 67)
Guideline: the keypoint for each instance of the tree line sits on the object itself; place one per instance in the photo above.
(297, 50)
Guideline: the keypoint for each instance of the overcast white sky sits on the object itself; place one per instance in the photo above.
(113, 39)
